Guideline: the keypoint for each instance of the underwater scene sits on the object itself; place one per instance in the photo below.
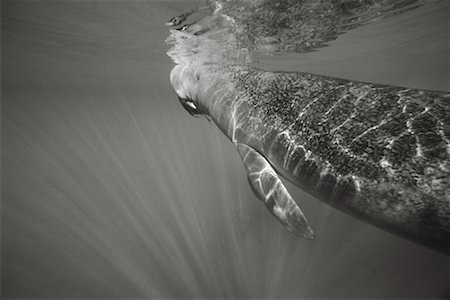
(225, 149)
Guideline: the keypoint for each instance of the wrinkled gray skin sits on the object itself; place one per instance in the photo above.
(378, 153)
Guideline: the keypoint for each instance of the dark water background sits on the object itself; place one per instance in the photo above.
(111, 190)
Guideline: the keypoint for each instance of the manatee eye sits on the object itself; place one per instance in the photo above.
(197, 76)
(189, 106)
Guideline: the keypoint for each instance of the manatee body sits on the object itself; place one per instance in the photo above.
(379, 153)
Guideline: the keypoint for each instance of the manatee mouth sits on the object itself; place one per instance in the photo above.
(189, 106)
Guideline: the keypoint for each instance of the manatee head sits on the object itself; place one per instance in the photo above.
(185, 80)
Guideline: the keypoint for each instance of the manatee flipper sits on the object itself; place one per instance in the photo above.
(268, 187)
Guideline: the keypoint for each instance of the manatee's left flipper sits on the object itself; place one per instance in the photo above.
(269, 188)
